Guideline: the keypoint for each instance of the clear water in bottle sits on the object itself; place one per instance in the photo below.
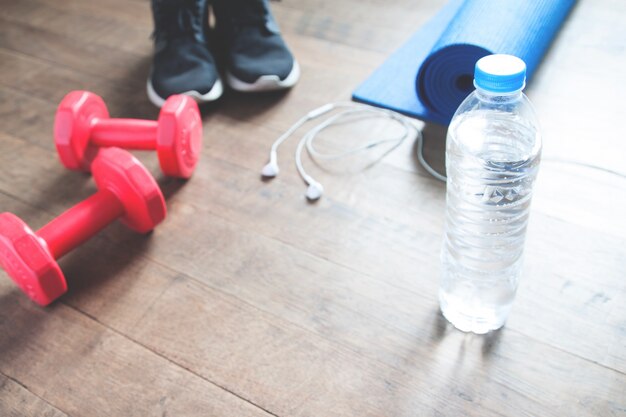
(492, 157)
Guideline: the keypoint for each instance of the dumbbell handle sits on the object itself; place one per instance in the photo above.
(125, 133)
(81, 222)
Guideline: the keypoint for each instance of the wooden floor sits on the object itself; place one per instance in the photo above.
(247, 301)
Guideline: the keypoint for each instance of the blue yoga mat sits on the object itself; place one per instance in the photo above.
(432, 73)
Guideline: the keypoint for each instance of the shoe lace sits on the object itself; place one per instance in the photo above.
(176, 18)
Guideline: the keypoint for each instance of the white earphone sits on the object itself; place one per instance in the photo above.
(352, 112)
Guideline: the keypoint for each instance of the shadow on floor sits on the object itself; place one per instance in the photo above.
(434, 151)
(100, 261)
(21, 320)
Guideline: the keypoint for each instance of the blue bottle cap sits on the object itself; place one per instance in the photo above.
(500, 73)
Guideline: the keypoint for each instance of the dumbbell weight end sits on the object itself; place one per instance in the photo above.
(126, 190)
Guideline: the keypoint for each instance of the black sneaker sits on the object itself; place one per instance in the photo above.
(182, 62)
(255, 54)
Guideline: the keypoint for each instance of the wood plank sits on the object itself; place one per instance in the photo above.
(60, 49)
(96, 29)
(319, 70)
(575, 207)
(404, 257)
(280, 366)
(295, 376)
(410, 238)
(318, 54)
(572, 209)
(349, 311)
(384, 185)
(248, 301)
(78, 358)
(118, 13)
(84, 368)
(373, 26)
(288, 367)
(45, 85)
(17, 401)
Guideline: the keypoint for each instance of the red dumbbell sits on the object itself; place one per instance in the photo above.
(82, 125)
(125, 189)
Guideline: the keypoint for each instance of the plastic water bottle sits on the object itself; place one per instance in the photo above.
(492, 157)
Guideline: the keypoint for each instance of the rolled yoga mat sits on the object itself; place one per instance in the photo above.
(432, 73)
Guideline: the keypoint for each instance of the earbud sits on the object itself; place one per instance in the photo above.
(351, 112)
(271, 169)
(314, 190)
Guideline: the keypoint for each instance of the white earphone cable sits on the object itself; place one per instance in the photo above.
(352, 112)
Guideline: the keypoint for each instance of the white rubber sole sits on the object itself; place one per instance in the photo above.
(265, 82)
(212, 95)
